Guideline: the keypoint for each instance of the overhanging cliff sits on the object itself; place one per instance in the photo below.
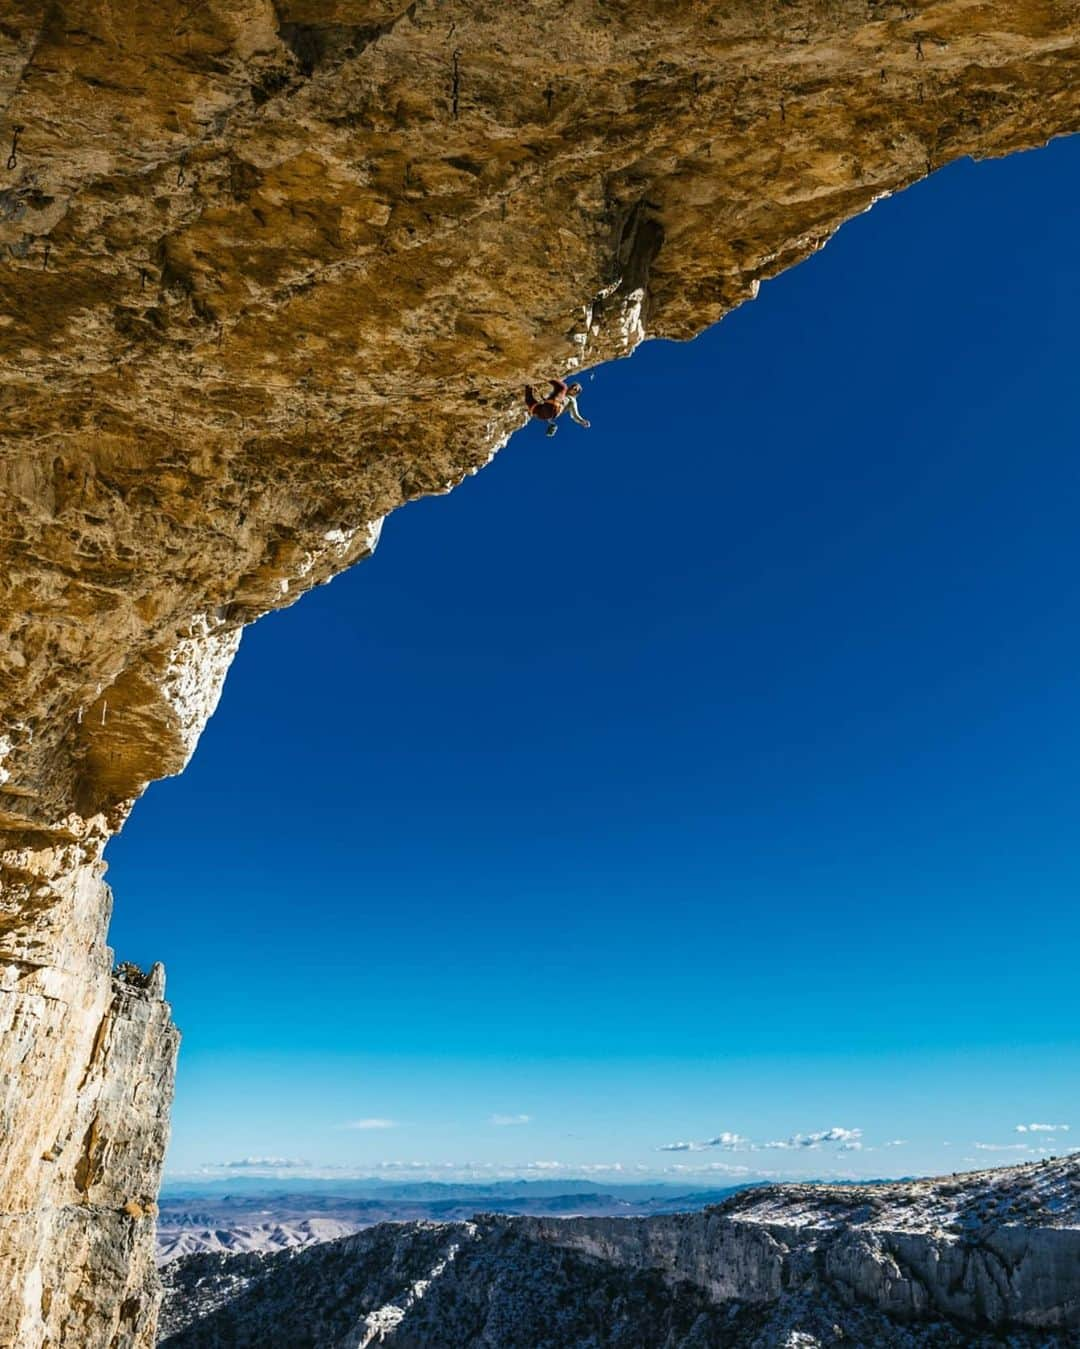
(269, 270)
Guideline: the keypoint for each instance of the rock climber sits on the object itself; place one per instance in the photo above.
(563, 397)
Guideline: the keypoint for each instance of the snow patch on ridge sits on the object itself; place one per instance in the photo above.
(383, 1320)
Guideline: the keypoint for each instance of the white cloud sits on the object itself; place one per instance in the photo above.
(419, 1166)
(847, 1138)
(372, 1124)
(896, 1143)
(506, 1121)
(728, 1141)
(1031, 1149)
(503, 1171)
(1042, 1128)
(463, 1171)
(261, 1163)
(712, 1168)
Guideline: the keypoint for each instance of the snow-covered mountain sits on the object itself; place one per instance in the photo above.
(986, 1258)
(175, 1242)
(270, 1219)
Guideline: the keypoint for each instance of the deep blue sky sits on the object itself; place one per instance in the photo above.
(712, 769)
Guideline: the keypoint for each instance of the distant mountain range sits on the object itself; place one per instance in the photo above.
(984, 1259)
(372, 1187)
(249, 1218)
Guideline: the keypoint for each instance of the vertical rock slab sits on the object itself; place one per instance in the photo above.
(88, 1059)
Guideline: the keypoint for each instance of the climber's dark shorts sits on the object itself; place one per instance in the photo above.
(545, 411)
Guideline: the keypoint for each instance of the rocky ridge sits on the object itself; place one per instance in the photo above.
(268, 271)
(266, 1219)
(979, 1259)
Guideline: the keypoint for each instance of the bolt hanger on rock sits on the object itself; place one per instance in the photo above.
(13, 158)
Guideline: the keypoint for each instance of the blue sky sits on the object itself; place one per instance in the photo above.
(712, 771)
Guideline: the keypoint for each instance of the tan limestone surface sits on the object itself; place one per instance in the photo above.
(269, 270)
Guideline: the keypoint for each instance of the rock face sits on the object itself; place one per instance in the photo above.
(84, 1099)
(271, 268)
(965, 1260)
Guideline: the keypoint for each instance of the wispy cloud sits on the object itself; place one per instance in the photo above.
(373, 1123)
(712, 1169)
(730, 1142)
(488, 1171)
(1057, 1149)
(848, 1139)
(896, 1143)
(272, 1168)
(507, 1121)
(262, 1164)
(703, 1170)
(1041, 1128)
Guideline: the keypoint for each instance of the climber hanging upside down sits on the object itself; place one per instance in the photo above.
(562, 397)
